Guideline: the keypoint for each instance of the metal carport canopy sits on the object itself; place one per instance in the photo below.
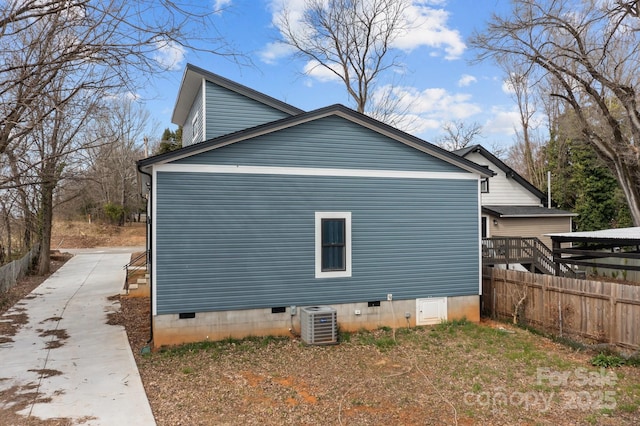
(593, 242)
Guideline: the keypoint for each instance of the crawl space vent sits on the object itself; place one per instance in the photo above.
(319, 325)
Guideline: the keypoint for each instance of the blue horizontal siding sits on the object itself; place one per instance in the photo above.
(189, 134)
(229, 242)
(228, 111)
(330, 142)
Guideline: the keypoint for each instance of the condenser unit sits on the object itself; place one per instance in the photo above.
(319, 325)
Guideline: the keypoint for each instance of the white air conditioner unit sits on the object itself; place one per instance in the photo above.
(319, 325)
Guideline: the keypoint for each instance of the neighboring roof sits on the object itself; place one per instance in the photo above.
(614, 235)
(191, 83)
(525, 211)
(333, 110)
(502, 166)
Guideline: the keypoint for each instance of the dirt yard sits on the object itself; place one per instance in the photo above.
(449, 374)
(74, 234)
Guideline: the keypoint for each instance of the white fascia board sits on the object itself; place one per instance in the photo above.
(515, 216)
(303, 171)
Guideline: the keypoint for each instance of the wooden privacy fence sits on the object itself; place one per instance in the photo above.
(604, 312)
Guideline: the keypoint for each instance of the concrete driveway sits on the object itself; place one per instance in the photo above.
(65, 361)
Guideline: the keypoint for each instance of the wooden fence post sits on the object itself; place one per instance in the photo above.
(613, 314)
(544, 301)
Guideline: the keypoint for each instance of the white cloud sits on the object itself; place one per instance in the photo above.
(507, 87)
(426, 26)
(169, 55)
(436, 102)
(502, 122)
(320, 73)
(127, 96)
(274, 51)
(466, 80)
(428, 109)
(220, 5)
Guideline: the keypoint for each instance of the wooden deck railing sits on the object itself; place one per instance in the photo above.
(525, 251)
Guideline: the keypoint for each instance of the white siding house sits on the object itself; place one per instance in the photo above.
(511, 205)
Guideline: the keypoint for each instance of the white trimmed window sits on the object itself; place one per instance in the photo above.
(484, 185)
(194, 127)
(333, 244)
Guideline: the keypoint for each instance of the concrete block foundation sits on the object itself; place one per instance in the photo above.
(173, 330)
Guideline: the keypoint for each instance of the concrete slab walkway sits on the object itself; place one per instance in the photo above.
(65, 361)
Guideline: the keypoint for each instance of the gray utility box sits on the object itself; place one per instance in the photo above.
(319, 325)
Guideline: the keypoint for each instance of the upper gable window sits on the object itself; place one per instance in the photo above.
(484, 185)
(194, 127)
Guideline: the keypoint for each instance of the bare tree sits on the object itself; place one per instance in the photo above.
(56, 143)
(589, 51)
(459, 134)
(351, 40)
(57, 58)
(111, 171)
(528, 160)
(524, 96)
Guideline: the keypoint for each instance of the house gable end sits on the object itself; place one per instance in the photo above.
(209, 106)
(329, 142)
(358, 123)
(507, 187)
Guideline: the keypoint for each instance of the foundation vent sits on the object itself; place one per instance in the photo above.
(319, 325)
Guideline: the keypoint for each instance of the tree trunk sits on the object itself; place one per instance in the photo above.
(7, 220)
(46, 221)
(630, 186)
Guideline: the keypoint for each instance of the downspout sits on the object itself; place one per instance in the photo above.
(149, 256)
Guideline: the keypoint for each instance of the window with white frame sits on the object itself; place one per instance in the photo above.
(333, 244)
(484, 185)
(194, 127)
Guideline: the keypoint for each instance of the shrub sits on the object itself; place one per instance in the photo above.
(607, 360)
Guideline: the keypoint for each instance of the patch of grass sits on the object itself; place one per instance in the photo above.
(366, 338)
(247, 344)
(634, 361)
(592, 419)
(577, 346)
(406, 331)
(232, 341)
(385, 343)
(344, 336)
(628, 407)
(187, 348)
(187, 370)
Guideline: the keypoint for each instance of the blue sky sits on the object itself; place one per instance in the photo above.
(438, 82)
